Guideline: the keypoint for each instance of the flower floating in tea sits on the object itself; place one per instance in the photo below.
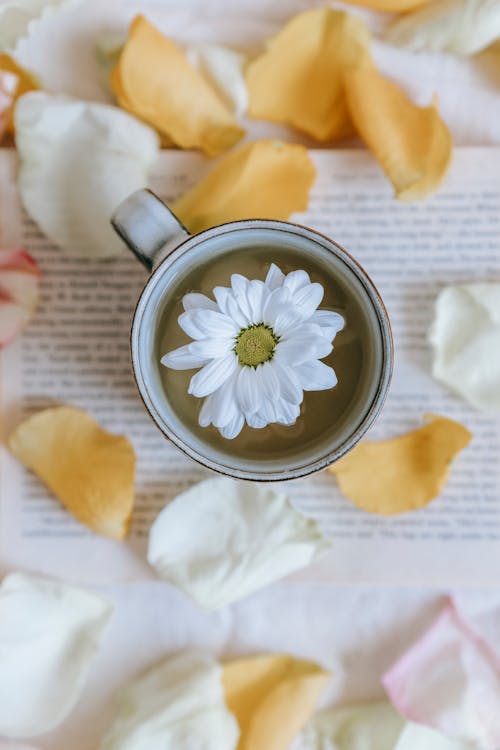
(259, 346)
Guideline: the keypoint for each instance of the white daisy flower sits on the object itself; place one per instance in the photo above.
(259, 346)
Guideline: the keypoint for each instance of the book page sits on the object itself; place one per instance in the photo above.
(76, 351)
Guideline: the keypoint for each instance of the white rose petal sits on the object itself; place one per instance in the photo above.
(18, 17)
(462, 27)
(178, 704)
(465, 337)
(223, 69)
(49, 633)
(370, 726)
(418, 737)
(79, 160)
(224, 539)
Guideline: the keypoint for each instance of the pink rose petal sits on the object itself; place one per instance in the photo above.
(449, 680)
(19, 281)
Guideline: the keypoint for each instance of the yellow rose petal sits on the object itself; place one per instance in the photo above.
(272, 697)
(261, 180)
(402, 474)
(412, 144)
(25, 82)
(89, 470)
(299, 79)
(154, 80)
(389, 6)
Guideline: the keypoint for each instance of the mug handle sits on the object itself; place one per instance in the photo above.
(146, 225)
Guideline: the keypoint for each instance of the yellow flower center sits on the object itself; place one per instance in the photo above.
(255, 345)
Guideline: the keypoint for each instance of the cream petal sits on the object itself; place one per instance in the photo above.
(196, 301)
(49, 633)
(449, 680)
(178, 703)
(275, 277)
(223, 539)
(213, 375)
(465, 338)
(223, 69)
(315, 376)
(418, 737)
(18, 18)
(365, 726)
(183, 358)
(462, 27)
(92, 156)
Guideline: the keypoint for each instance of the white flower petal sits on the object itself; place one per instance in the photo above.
(240, 286)
(197, 301)
(465, 337)
(315, 376)
(183, 358)
(296, 280)
(229, 306)
(267, 411)
(330, 322)
(462, 27)
(211, 348)
(307, 299)
(213, 375)
(223, 69)
(92, 156)
(18, 18)
(179, 703)
(224, 405)
(233, 428)
(201, 324)
(286, 413)
(290, 386)
(49, 633)
(255, 421)
(275, 277)
(207, 412)
(268, 380)
(257, 295)
(301, 348)
(247, 390)
(366, 726)
(278, 300)
(223, 539)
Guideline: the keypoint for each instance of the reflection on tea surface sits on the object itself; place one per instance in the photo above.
(322, 412)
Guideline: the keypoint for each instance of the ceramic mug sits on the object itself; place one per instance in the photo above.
(170, 252)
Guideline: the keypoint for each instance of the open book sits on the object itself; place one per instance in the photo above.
(76, 351)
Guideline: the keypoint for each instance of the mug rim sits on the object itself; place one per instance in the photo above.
(387, 366)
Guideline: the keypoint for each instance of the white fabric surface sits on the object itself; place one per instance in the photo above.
(357, 632)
